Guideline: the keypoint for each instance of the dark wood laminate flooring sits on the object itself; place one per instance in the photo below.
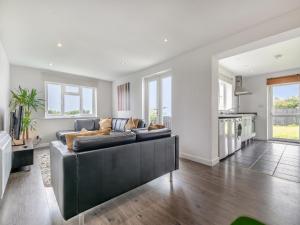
(281, 160)
(198, 195)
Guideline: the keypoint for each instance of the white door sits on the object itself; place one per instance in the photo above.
(158, 96)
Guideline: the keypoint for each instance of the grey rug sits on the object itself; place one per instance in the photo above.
(44, 163)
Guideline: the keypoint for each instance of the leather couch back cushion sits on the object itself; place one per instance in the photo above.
(145, 134)
(141, 124)
(81, 144)
(71, 136)
(88, 124)
(97, 125)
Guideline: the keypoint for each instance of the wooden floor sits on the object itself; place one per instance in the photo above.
(198, 195)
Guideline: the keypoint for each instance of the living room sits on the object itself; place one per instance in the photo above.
(99, 61)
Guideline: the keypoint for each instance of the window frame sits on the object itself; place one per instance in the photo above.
(225, 85)
(62, 106)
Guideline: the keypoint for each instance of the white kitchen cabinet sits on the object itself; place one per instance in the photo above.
(247, 127)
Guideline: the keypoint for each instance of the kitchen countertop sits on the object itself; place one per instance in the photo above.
(236, 115)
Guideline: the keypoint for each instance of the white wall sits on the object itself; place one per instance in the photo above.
(195, 89)
(4, 90)
(28, 77)
(258, 101)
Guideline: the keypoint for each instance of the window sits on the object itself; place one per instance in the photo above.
(64, 100)
(225, 95)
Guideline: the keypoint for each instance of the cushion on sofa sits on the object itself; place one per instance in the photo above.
(88, 124)
(105, 123)
(141, 124)
(145, 134)
(71, 136)
(118, 124)
(97, 125)
(81, 144)
(155, 126)
(131, 124)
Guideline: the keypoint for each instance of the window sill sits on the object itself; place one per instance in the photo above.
(69, 117)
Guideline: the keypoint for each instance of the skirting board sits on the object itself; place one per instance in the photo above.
(200, 160)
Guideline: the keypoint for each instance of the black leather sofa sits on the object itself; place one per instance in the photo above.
(118, 125)
(102, 167)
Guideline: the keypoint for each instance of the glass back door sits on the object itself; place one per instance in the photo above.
(285, 112)
(158, 107)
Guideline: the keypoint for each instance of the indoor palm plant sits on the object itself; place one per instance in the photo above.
(31, 102)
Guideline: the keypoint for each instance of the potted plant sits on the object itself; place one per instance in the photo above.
(30, 102)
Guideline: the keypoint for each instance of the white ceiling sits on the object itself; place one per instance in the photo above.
(270, 59)
(107, 39)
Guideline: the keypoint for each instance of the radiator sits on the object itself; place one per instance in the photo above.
(5, 160)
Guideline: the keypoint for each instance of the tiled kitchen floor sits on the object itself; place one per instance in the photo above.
(275, 159)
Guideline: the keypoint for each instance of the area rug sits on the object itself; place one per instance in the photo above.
(243, 220)
(44, 163)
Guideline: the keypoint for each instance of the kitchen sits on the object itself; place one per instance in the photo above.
(236, 129)
(259, 110)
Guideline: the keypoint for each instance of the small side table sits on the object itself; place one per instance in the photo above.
(22, 156)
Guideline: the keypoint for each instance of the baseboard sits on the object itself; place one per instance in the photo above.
(199, 159)
(259, 139)
(215, 161)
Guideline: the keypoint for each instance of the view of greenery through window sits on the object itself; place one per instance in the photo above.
(286, 106)
(289, 103)
(69, 100)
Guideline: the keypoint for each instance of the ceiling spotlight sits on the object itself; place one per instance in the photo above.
(278, 56)
(59, 45)
(50, 64)
(166, 40)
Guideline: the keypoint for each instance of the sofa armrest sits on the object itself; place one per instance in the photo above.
(64, 178)
(60, 135)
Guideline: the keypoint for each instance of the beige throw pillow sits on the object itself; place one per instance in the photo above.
(105, 124)
(136, 122)
(155, 126)
(130, 124)
(70, 137)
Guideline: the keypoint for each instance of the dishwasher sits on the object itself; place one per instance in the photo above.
(227, 137)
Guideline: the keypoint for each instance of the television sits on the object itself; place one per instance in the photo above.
(16, 123)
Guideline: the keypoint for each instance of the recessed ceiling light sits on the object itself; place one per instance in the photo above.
(166, 40)
(59, 45)
(278, 56)
(50, 64)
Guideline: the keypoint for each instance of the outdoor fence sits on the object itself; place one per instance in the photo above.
(286, 116)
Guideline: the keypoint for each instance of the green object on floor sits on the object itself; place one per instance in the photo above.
(243, 220)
